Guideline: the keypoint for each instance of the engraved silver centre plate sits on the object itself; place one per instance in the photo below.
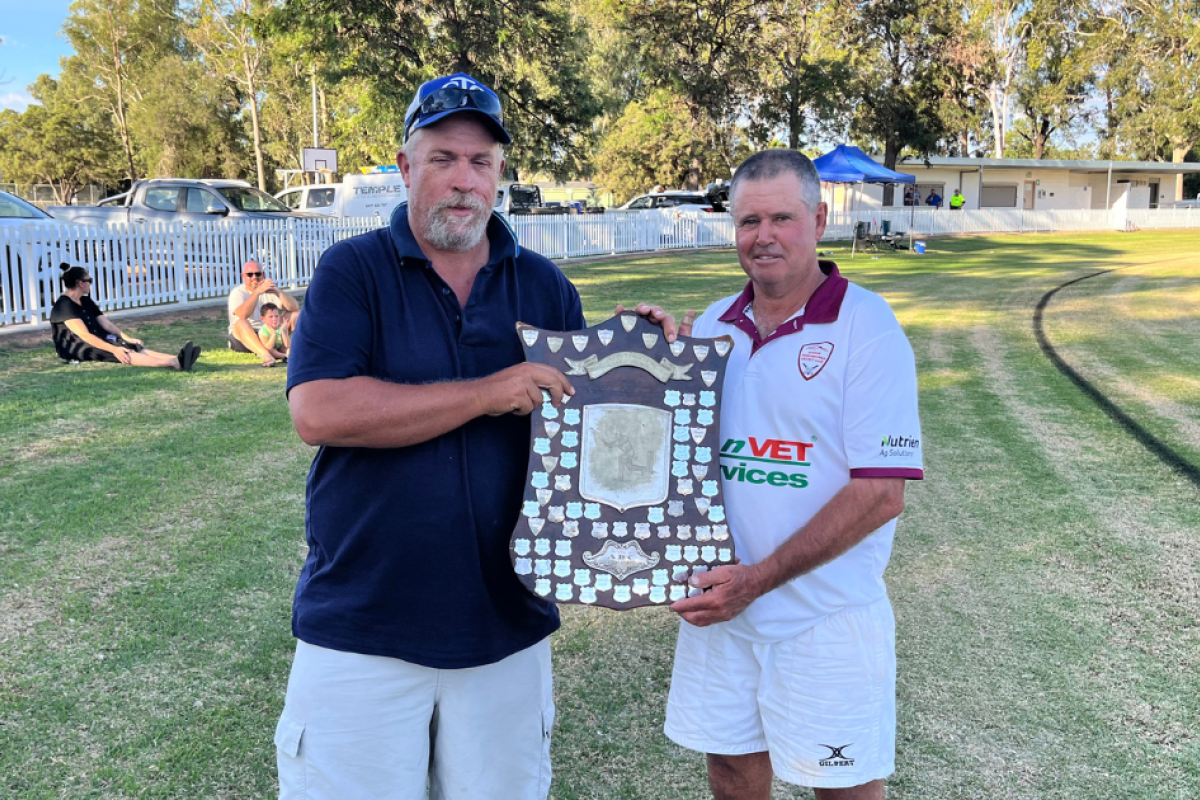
(626, 455)
(621, 559)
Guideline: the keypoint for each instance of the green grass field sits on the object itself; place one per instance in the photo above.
(1046, 577)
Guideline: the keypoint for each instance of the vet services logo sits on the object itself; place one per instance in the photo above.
(836, 757)
(813, 358)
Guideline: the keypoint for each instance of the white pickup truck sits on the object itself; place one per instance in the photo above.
(370, 195)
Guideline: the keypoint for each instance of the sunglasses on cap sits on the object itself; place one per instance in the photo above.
(454, 97)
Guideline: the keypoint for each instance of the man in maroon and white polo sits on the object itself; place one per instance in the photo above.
(786, 666)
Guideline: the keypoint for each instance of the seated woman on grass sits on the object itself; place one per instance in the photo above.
(83, 333)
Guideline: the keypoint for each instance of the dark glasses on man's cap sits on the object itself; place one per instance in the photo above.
(449, 98)
(459, 93)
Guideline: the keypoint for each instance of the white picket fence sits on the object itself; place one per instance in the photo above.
(152, 265)
(944, 222)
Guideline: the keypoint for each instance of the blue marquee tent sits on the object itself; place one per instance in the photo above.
(847, 164)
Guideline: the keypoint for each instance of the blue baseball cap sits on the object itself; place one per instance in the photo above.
(451, 94)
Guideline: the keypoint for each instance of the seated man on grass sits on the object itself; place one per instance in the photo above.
(245, 312)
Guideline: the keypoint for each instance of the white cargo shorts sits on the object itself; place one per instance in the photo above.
(357, 726)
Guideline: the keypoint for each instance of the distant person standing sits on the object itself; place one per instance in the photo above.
(909, 198)
(957, 200)
(934, 200)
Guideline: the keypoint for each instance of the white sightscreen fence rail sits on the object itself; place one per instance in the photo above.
(156, 264)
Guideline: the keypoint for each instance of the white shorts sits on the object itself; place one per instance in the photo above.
(357, 726)
(822, 704)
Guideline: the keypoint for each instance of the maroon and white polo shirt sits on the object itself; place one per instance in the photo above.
(830, 395)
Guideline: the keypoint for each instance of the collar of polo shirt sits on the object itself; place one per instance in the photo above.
(822, 308)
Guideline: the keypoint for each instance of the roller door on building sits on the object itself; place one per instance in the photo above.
(998, 197)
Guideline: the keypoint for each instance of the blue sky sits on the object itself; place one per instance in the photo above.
(32, 45)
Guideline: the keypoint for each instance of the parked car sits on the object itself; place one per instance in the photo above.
(178, 200)
(695, 201)
(373, 194)
(16, 214)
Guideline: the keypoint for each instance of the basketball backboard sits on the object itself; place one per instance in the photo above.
(319, 158)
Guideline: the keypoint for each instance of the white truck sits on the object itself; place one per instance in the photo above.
(375, 194)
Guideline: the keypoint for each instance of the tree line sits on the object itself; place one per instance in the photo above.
(629, 93)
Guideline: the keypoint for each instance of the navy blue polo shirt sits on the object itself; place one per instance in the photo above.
(408, 547)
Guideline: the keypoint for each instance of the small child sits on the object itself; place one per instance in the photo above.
(272, 333)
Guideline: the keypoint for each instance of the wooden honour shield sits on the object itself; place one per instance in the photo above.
(623, 493)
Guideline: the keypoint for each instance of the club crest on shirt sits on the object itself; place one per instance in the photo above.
(813, 358)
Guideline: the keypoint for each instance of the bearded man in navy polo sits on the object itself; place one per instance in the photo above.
(423, 665)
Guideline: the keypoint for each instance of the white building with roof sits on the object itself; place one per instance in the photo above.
(1029, 184)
